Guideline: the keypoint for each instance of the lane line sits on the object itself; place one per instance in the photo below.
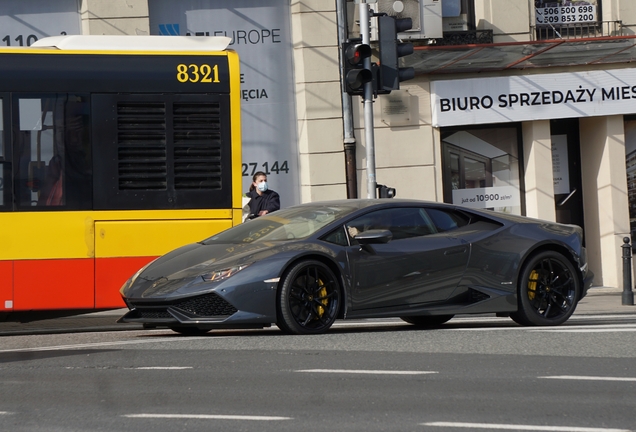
(101, 344)
(602, 328)
(208, 417)
(162, 367)
(521, 427)
(588, 378)
(371, 372)
(574, 330)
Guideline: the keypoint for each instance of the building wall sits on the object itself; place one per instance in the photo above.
(318, 100)
(539, 182)
(509, 19)
(605, 191)
(107, 17)
(626, 12)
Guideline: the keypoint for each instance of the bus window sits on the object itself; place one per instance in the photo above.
(53, 150)
(2, 153)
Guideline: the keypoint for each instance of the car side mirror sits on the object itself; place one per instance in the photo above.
(374, 237)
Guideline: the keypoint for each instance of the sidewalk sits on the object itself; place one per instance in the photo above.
(604, 300)
(599, 301)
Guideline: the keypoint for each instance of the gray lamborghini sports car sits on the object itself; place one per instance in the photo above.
(303, 267)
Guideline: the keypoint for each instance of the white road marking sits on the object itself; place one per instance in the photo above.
(162, 367)
(371, 372)
(590, 330)
(5, 413)
(588, 378)
(208, 417)
(601, 328)
(100, 344)
(521, 427)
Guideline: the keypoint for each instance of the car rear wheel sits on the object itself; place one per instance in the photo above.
(309, 298)
(427, 321)
(190, 331)
(549, 289)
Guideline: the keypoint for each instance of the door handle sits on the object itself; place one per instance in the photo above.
(454, 251)
(567, 198)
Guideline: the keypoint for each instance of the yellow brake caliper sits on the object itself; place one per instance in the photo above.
(322, 293)
(532, 284)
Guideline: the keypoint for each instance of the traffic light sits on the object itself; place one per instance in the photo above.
(391, 50)
(355, 74)
(385, 191)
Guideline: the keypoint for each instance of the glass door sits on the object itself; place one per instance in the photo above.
(566, 169)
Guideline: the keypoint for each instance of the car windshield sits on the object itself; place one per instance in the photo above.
(288, 224)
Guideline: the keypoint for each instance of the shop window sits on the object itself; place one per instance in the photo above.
(481, 168)
(52, 151)
(630, 164)
(458, 15)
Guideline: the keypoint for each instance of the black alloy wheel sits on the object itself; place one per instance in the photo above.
(427, 321)
(549, 290)
(308, 298)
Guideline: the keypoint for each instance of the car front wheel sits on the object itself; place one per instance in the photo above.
(309, 298)
(548, 291)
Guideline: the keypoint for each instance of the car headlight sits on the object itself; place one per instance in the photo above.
(219, 275)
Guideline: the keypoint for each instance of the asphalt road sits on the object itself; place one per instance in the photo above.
(480, 373)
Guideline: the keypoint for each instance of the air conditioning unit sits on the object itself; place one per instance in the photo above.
(425, 14)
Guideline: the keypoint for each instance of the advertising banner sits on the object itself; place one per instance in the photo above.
(565, 12)
(24, 22)
(533, 97)
(261, 35)
(497, 196)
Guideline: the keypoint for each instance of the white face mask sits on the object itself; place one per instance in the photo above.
(262, 186)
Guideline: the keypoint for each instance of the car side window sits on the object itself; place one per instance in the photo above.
(337, 237)
(402, 222)
(447, 220)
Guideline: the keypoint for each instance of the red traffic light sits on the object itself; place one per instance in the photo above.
(356, 53)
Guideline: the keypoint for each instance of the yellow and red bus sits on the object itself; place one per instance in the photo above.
(113, 151)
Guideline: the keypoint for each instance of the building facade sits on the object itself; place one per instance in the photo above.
(520, 106)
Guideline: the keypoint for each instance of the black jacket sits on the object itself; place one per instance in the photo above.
(269, 201)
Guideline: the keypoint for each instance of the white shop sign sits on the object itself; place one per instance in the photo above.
(533, 97)
(497, 196)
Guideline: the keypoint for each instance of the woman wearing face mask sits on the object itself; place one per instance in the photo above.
(263, 200)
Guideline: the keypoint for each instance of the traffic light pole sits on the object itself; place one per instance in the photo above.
(365, 32)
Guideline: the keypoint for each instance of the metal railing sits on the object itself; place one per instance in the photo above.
(578, 30)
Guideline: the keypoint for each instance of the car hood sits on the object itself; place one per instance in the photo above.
(194, 259)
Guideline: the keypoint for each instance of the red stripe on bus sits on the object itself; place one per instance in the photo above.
(29, 285)
(6, 285)
(110, 275)
(53, 284)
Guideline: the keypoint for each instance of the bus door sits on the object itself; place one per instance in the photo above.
(51, 181)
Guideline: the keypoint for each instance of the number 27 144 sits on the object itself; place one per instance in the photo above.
(250, 168)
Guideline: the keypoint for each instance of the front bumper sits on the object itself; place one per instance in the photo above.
(209, 310)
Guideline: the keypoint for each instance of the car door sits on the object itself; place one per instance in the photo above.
(420, 264)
